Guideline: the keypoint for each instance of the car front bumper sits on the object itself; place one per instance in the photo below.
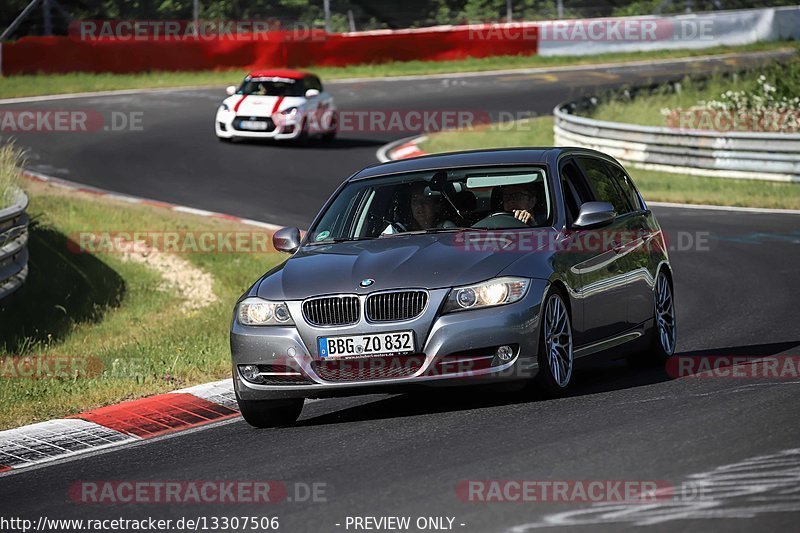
(471, 336)
(286, 129)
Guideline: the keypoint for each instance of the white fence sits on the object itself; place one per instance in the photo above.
(692, 31)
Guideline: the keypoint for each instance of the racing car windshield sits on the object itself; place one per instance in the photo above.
(272, 86)
(510, 197)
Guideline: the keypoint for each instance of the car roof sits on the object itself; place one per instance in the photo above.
(279, 73)
(496, 156)
(500, 156)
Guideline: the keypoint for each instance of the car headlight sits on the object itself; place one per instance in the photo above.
(224, 107)
(498, 291)
(290, 113)
(258, 312)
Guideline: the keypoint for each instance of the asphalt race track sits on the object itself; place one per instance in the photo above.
(177, 158)
(404, 455)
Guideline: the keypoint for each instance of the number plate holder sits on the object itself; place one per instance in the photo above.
(367, 344)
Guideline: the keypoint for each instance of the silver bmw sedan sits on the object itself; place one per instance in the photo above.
(456, 269)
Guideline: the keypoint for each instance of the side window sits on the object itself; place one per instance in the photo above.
(627, 187)
(605, 190)
(312, 82)
(571, 199)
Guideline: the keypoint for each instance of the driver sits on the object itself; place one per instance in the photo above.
(521, 201)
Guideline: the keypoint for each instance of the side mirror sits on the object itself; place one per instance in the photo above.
(311, 93)
(286, 240)
(595, 215)
(230, 90)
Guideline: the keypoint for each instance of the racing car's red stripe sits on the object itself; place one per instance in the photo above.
(278, 103)
(236, 107)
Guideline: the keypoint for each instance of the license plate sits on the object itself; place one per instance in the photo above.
(396, 342)
(253, 125)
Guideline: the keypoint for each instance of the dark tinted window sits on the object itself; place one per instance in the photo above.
(578, 186)
(570, 176)
(605, 190)
(625, 183)
(312, 82)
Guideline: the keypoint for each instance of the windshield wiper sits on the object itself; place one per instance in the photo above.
(435, 230)
(340, 239)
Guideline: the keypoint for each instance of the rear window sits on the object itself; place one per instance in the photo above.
(627, 187)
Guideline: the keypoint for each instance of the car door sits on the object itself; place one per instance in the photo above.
(604, 274)
(640, 234)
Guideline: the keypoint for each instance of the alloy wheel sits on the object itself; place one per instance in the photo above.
(558, 340)
(665, 314)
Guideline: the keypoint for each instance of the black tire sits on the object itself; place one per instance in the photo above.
(656, 353)
(303, 137)
(329, 136)
(545, 384)
(271, 413)
(225, 139)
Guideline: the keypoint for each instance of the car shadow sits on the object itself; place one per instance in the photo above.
(594, 377)
(63, 288)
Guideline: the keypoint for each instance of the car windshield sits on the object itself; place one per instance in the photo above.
(271, 87)
(437, 201)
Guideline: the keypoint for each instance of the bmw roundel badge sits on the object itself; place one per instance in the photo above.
(367, 282)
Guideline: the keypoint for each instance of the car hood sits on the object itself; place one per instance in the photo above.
(428, 261)
(261, 106)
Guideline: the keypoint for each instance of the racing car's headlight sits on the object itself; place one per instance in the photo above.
(289, 113)
(224, 107)
(258, 312)
(498, 291)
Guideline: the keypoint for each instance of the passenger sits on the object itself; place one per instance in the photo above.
(426, 211)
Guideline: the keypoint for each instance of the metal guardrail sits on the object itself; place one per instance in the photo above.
(762, 156)
(13, 245)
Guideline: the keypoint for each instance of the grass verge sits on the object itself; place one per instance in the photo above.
(118, 329)
(655, 186)
(10, 173)
(41, 84)
(646, 108)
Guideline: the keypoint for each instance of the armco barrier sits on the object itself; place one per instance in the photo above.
(13, 245)
(763, 156)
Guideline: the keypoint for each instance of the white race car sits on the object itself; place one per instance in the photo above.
(277, 104)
